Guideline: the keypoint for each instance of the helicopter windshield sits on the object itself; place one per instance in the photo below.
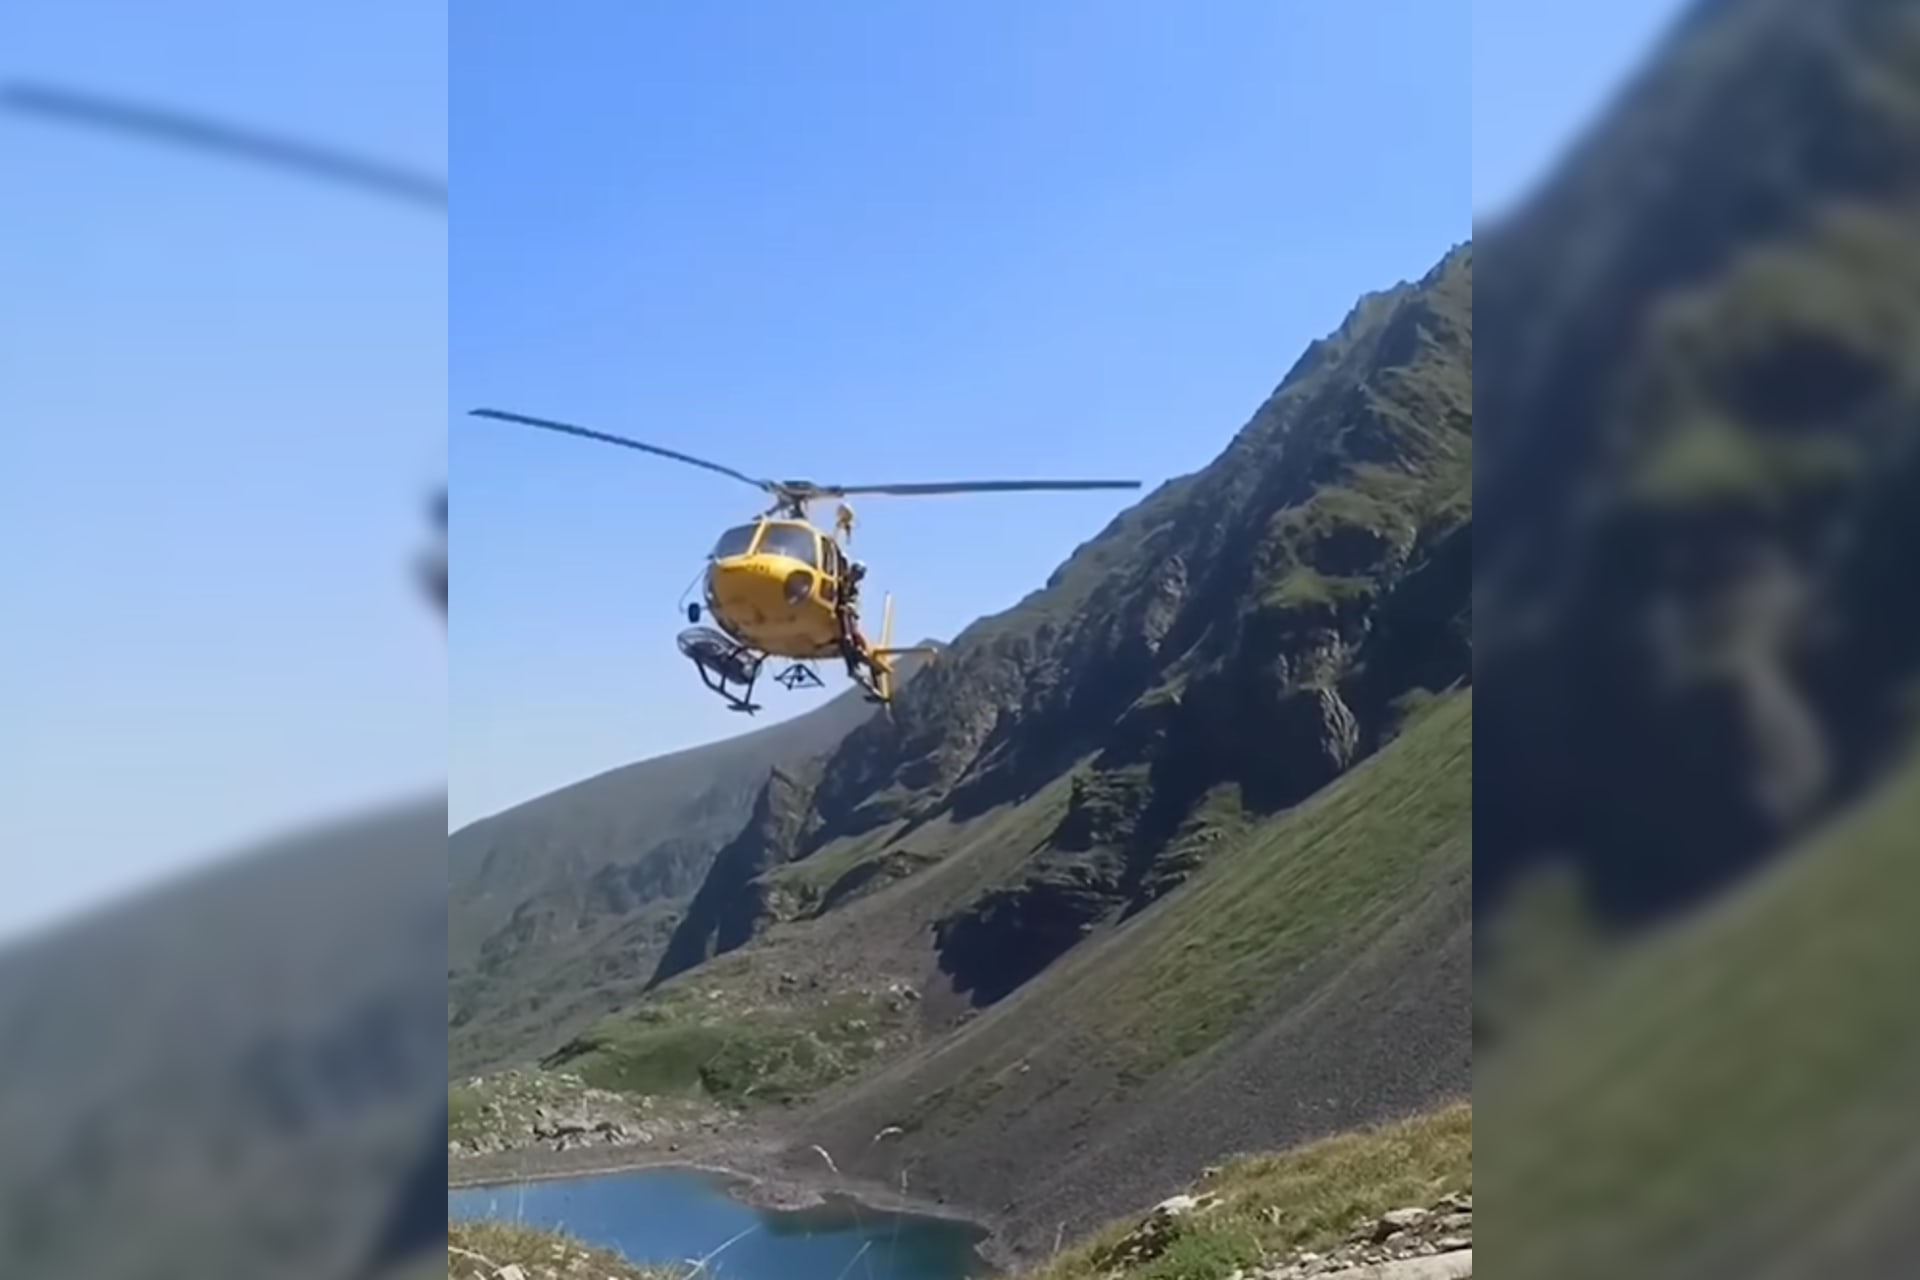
(794, 541)
(734, 542)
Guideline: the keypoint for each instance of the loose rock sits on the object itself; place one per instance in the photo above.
(1410, 1243)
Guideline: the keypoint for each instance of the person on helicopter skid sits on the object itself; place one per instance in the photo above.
(853, 644)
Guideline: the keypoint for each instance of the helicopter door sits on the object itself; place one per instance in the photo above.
(830, 586)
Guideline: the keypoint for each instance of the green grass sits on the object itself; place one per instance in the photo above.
(1338, 545)
(1384, 500)
(738, 1057)
(1308, 587)
(478, 1250)
(1728, 1092)
(1326, 879)
(811, 876)
(1307, 1198)
(1327, 874)
(464, 1117)
(1712, 462)
(989, 846)
(1779, 382)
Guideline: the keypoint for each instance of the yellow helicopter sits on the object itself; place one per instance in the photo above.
(778, 587)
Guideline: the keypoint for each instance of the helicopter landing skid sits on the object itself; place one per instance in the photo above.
(723, 663)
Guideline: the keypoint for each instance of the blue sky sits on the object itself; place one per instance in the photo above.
(226, 402)
(1541, 73)
(861, 243)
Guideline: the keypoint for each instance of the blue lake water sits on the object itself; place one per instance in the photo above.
(672, 1215)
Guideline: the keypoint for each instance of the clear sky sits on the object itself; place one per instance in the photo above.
(864, 242)
(1542, 71)
(226, 402)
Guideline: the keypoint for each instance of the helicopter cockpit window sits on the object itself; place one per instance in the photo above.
(795, 541)
(734, 542)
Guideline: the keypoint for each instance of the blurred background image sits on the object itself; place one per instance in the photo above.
(1697, 629)
(227, 380)
(224, 352)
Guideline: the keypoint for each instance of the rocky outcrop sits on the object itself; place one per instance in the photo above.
(1394, 1244)
(519, 1110)
(869, 877)
(1315, 737)
(731, 904)
(1009, 934)
(1433, 1242)
(1297, 702)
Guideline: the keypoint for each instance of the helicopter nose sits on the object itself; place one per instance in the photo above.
(753, 586)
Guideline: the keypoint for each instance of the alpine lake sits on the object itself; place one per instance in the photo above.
(670, 1216)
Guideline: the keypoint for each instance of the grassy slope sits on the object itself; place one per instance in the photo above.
(1311, 978)
(1335, 863)
(1752, 1071)
(477, 1251)
(735, 1056)
(1321, 880)
(1310, 1197)
(1297, 905)
(776, 1014)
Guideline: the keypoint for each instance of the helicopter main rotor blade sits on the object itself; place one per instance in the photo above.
(178, 128)
(548, 424)
(974, 486)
